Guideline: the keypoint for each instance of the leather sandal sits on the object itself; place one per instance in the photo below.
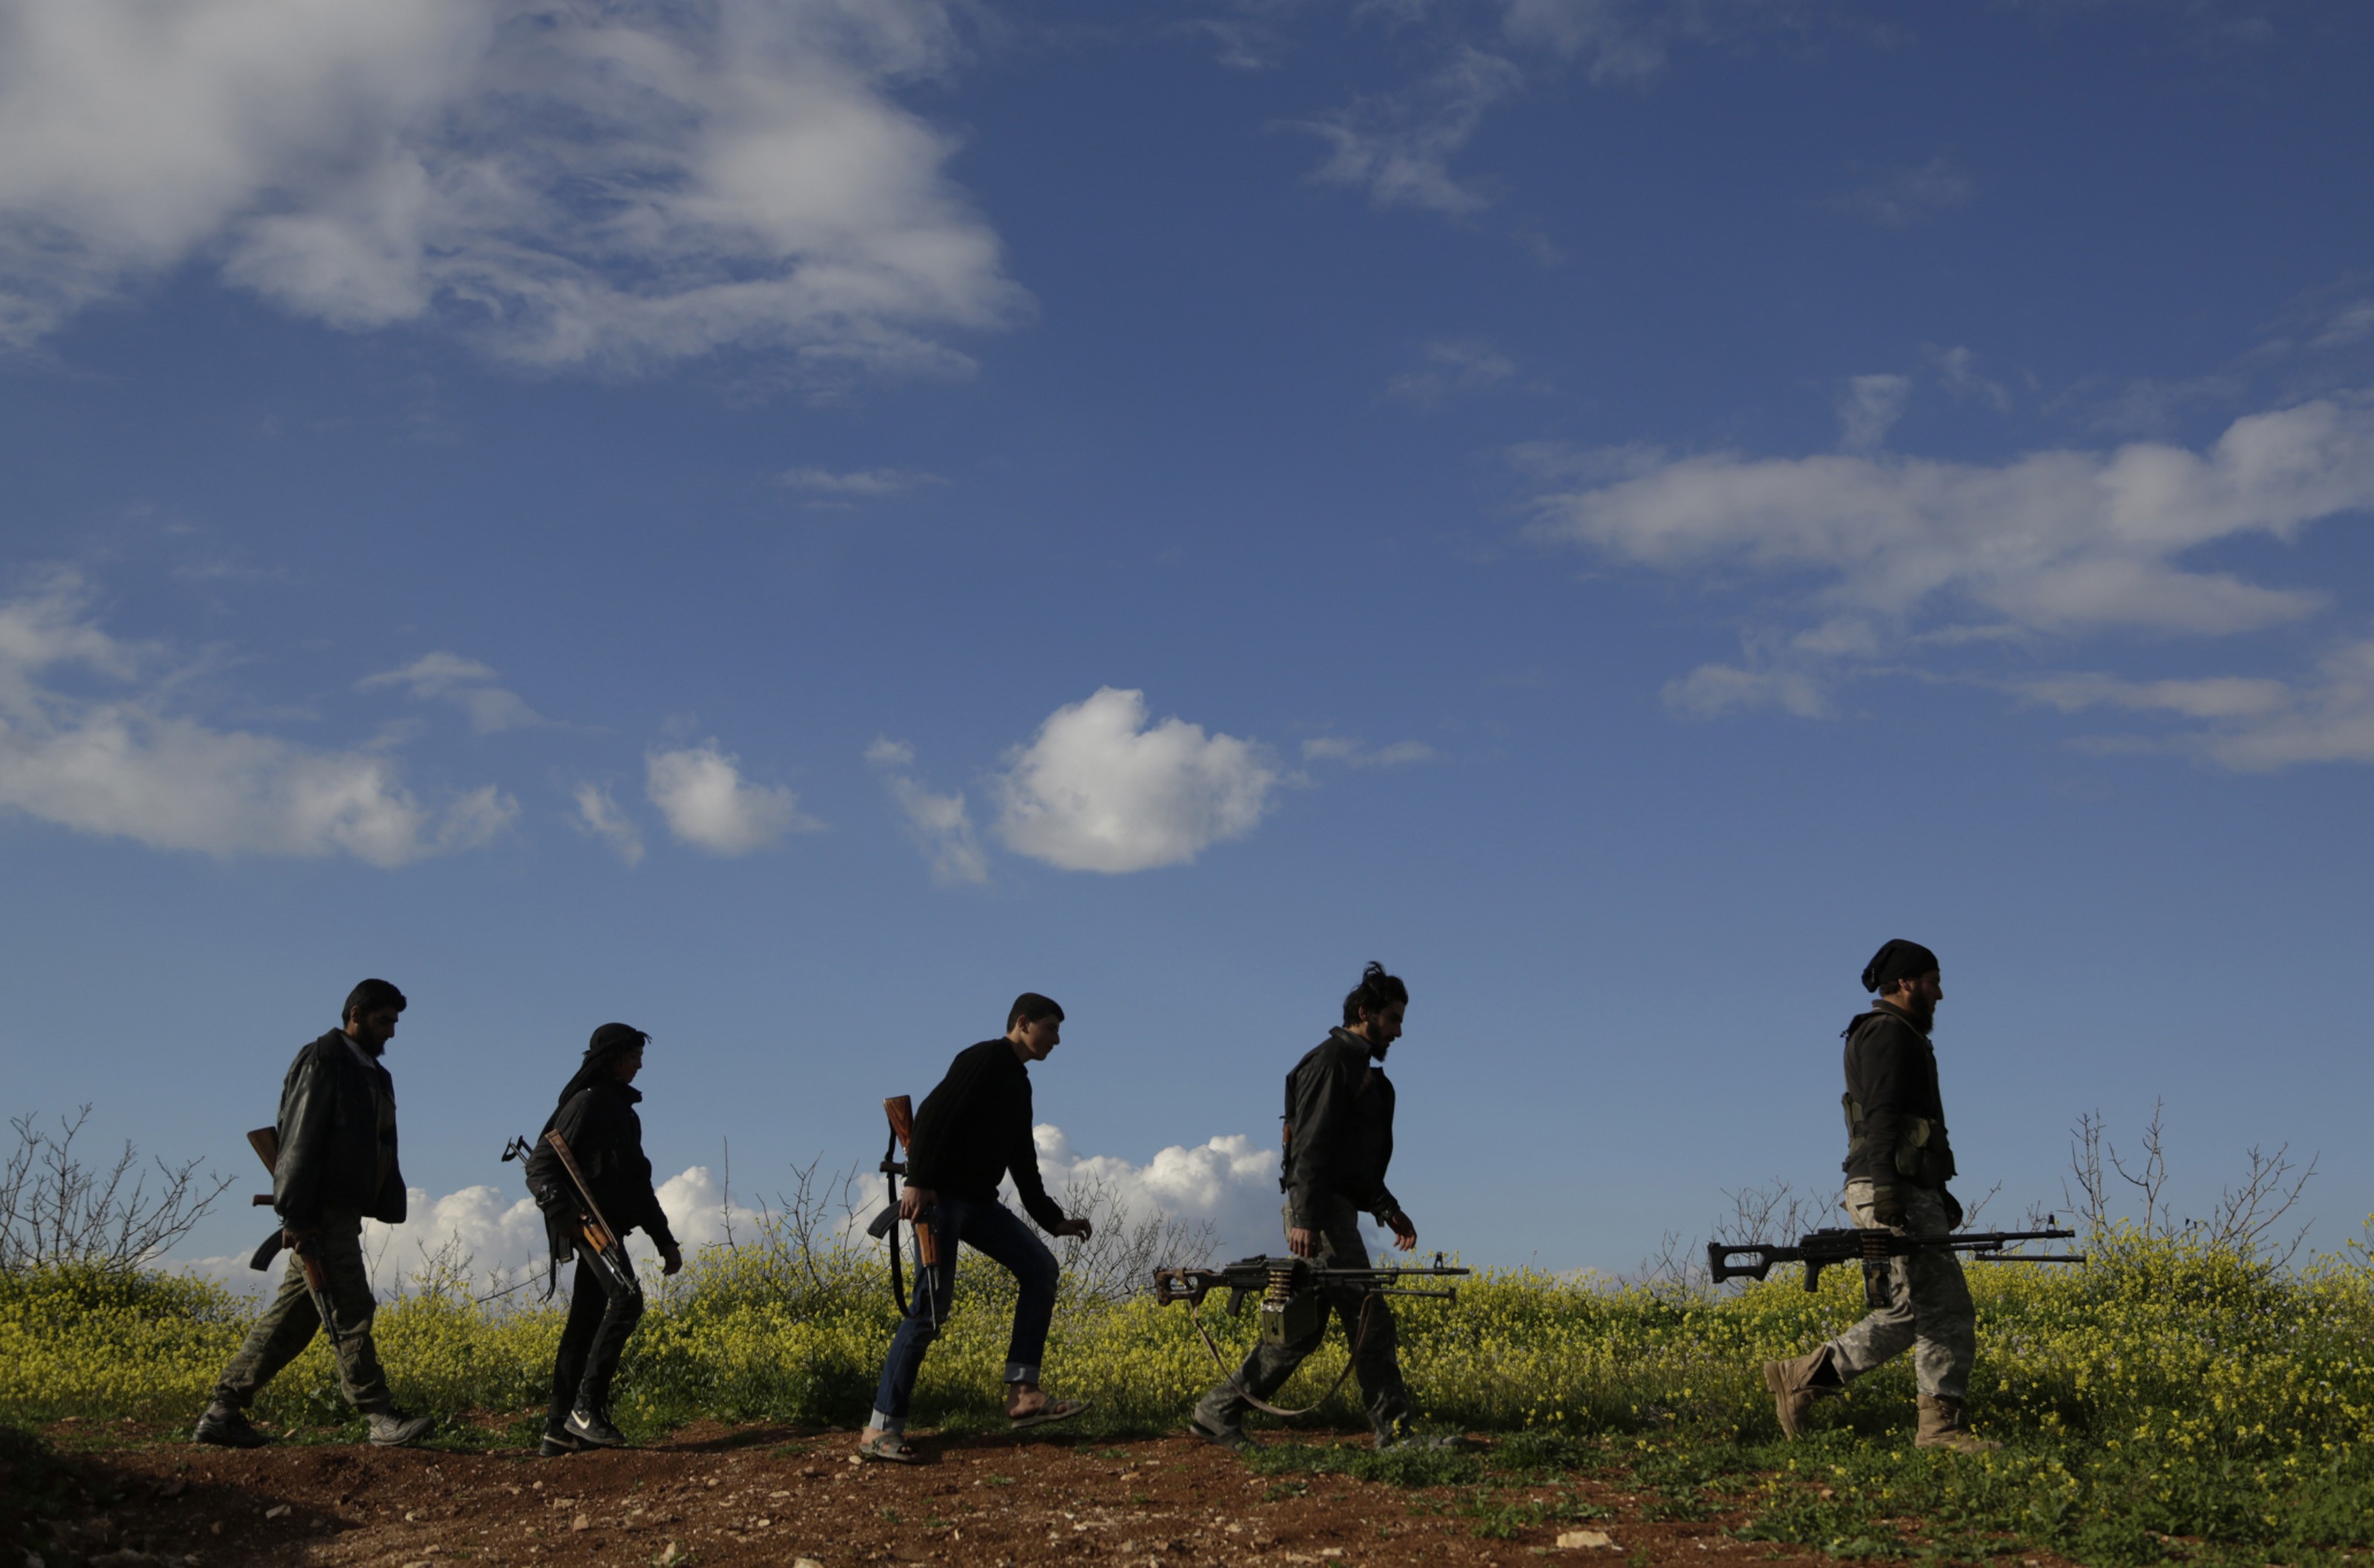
(883, 1447)
(1052, 1411)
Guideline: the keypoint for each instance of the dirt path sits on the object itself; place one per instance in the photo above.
(774, 1495)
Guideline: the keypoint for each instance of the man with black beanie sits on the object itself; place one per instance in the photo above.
(1899, 1161)
(970, 1133)
(336, 1169)
(595, 1116)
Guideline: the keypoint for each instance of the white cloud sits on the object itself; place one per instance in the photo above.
(1908, 195)
(2249, 724)
(2348, 325)
(466, 683)
(1615, 42)
(700, 791)
(1711, 691)
(598, 817)
(1398, 147)
(1098, 790)
(1889, 557)
(1870, 405)
(1352, 754)
(2053, 542)
(864, 484)
(1958, 368)
(565, 183)
(1451, 367)
(943, 828)
(940, 825)
(1228, 1182)
(129, 766)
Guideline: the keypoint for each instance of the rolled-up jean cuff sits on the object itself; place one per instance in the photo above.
(887, 1423)
(1021, 1371)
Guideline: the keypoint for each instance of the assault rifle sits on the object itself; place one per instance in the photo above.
(265, 1141)
(1825, 1249)
(900, 1111)
(609, 1253)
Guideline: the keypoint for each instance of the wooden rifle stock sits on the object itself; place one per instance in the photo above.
(900, 1109)
(265, 1141)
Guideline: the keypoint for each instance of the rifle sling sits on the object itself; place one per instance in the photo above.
(1350, 1362)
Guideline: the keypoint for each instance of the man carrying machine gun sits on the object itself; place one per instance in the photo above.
(1899, 1161)
(1339, 1138)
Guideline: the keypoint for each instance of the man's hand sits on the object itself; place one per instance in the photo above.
(1079, 1227)
(1404, 1232)
(671, 1258)
(296, 1238)
(1888, 1205)
(1302, 1242)
(914, 1200)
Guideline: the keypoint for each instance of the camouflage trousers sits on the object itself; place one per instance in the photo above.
(288, 1325)
(1376, 1357)
(1928, 1303)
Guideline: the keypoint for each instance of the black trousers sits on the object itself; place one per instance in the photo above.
(601, 1314)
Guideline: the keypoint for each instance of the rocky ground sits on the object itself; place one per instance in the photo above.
(777, 1496)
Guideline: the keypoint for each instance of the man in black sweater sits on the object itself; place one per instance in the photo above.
(1339, 1138)
(595, 1116)
(970, 1133)
(336, 1169)
(1899, 1161)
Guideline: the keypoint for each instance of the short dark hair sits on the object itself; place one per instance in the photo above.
(371, 996)
(1029, 1007)
(1375, 992)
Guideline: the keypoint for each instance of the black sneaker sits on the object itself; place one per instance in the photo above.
(592, 1428)
(226, 1426)
(557, 1442)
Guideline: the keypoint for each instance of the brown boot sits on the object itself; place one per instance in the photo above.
(1795, 1385)
(1945, 1424)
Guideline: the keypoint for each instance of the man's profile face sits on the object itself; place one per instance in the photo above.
(374, 1029)
(1038, 1036)
(1383, 1028)
(1919, 996)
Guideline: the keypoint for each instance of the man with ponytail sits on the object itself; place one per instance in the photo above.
(1339, 1138)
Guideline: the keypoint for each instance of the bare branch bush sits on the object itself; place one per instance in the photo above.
(812, 1228)
(56, 1209)
(2247, 1216)
(2248, 1211)
(1118, 1261)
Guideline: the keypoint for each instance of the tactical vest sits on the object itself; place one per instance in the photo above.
(1923, 1155)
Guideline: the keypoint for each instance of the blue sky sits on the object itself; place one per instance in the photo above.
(787, 523)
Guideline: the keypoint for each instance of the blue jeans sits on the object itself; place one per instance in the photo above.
(997, 1233)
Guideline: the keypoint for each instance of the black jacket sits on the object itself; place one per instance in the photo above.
(337, 1138)
(1339, 1132)
(605, 1136)
(1896, 1119)
(975, 1127)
